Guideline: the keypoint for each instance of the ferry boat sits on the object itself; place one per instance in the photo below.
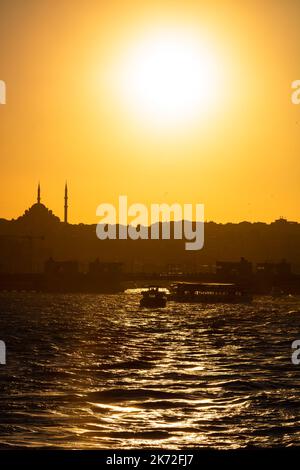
(211, 292)
(153, 297)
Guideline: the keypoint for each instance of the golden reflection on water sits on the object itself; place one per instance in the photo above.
(121, 409)
(99, 372)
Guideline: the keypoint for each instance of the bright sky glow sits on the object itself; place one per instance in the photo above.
(170, 78)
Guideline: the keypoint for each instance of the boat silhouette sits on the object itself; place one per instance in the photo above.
(153, 297)
(210, 292)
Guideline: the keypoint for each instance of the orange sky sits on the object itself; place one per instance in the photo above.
(65, 120)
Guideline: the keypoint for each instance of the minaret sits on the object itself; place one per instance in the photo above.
(66, 204)
(39, 194)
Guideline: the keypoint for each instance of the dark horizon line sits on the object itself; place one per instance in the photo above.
(280, 220)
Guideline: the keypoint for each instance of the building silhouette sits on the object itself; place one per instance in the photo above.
(66, 205)
(39, 194)
(233, 269)
(27, 242)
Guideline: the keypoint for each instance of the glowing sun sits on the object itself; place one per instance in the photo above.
(171, 78)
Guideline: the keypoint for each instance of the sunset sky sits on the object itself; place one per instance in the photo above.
(184, 101)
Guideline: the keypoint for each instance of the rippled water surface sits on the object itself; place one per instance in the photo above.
(87, 371)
